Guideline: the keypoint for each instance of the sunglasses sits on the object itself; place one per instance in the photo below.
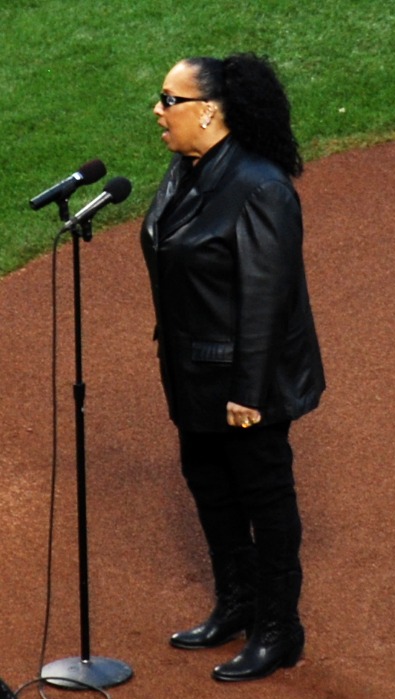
(170, 100)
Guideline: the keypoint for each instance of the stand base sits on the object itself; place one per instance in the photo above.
(75, 673)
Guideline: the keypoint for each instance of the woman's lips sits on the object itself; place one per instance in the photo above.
(165, 131)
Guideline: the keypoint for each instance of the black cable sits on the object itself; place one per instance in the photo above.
(54, 450)
(47, 680)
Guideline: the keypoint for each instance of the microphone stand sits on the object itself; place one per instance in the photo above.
(87, 670)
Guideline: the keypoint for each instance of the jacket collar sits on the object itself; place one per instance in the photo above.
(209, 172)
(213, 164)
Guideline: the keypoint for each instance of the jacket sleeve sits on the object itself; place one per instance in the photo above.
(268, 250)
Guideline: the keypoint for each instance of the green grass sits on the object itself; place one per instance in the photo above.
(78, 80)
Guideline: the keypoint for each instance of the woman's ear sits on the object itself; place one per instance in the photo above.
(207, 114)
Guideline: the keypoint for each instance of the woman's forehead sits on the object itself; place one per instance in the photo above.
(180, 78)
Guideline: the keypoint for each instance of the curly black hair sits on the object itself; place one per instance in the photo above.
(255, 105)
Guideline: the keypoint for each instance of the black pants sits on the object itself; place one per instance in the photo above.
(243, 486)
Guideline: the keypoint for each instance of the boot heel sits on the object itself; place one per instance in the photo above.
(292, 656)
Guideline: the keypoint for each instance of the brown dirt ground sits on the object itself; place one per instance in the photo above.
(149, 572)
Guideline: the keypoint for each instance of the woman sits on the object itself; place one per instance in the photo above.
(238, 351)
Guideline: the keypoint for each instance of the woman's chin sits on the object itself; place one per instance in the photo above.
(166, 138)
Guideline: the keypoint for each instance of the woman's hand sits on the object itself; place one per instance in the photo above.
(241, 416)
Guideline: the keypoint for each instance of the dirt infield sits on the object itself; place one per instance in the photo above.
(149, 572)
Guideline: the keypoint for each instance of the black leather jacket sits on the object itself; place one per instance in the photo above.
(233, 314)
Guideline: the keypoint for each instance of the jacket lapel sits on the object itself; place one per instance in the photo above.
(184, 212)
(163, 195)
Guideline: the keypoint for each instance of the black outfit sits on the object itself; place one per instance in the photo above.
(223, 246)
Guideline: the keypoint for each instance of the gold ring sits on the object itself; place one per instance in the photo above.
(246, 422)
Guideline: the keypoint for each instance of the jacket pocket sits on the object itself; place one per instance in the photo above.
(218, 352)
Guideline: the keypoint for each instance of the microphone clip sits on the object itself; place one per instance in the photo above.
(81, 229)
(85, 230)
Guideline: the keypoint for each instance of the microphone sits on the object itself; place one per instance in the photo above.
(115, 191)
(88, 173)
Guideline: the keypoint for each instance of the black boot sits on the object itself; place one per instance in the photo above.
(276, 646)
(234, 574)
(277, 639)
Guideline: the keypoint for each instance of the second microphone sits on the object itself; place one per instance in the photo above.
(115, 192)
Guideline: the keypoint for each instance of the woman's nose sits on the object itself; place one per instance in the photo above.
(158, 109)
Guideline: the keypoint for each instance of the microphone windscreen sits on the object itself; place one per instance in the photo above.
(119, 188)
(92, 171)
